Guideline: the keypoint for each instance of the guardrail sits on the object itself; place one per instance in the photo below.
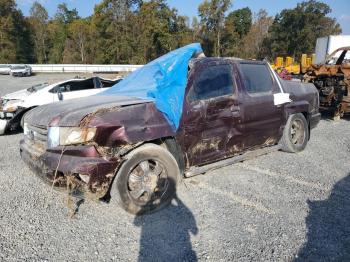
(68, 68)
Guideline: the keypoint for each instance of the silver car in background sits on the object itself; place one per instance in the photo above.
(21, 70)
(5, 69)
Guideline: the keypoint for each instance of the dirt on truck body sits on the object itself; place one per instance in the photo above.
(332, 79)
(127, 146)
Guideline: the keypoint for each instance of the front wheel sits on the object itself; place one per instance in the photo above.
(296, 134)
(146, 181)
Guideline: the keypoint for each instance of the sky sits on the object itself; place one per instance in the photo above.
(341, 8)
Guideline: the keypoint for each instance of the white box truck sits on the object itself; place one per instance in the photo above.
(326, 45)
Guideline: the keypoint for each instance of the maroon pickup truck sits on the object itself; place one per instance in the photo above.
(125, 148)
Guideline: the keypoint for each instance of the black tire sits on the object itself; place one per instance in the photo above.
(22, 118)
(295, 134)
(22, 122)
(146, 181)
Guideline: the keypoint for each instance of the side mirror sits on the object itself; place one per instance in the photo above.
(59, 93)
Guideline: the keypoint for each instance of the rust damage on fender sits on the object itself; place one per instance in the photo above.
(102, 155)
(333, 82)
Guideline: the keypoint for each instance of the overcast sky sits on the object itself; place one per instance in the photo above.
(341, 8)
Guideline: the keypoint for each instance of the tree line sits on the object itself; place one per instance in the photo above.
(136, 31)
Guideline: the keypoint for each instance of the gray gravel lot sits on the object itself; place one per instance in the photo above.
(278, 207)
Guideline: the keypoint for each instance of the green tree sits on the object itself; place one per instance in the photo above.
(15, 38)
(39, 20)
(294, 31)
(113, 25)
(212, 15)
(64, 15)
(58, 32)
(160, 28)
(79, 37)
(240, 20)
(252, 43)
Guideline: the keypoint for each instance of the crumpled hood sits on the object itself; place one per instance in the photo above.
(70, 113)
(20, 95)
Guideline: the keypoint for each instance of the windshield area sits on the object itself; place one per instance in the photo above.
(340, 56)
(18, 67)
(38, 87)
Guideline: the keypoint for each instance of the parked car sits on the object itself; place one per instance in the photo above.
(21, 70)
(5, 69)
(13, 106)
(129, 147)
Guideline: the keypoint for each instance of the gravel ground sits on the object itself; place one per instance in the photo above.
(278, 207)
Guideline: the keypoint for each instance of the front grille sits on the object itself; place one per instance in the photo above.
(37, 133)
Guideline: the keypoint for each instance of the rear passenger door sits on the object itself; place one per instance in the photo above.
(209, 114)
(261, 119)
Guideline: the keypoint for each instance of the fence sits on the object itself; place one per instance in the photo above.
(68, 68)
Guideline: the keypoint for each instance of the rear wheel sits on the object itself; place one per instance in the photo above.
(146, 181)
(295, 134)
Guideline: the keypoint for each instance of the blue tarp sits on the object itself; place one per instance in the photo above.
(162, 80)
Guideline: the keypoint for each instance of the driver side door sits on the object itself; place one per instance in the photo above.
(210, 113)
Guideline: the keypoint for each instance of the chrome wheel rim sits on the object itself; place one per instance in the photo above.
(148, 182)
(297, 132)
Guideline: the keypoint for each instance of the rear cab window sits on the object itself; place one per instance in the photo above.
(257, 78)
(212, 81)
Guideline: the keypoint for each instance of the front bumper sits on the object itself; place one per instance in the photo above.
(78, 167)
(10, 121)
(3, 126)
(18, 73)
(314, 120)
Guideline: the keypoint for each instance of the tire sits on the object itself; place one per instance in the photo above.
(22, 122)
(295, 134)
(146, 181)
(23, 116)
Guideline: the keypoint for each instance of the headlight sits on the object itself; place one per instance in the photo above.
(12, 105)
(64, 136)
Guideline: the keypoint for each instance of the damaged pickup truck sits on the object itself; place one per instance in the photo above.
(177, 116)
(332, 79)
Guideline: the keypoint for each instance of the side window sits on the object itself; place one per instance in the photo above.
(213, 81)
(82, 85)
(65, 87)
(257, 78)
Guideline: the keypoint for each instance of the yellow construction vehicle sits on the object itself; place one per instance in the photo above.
(288, 64)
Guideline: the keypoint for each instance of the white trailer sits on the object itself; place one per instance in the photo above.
(326, 45)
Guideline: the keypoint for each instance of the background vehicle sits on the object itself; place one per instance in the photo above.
(325, 46)
(13, 106)
(332, 79)
(21, 70)
(5, 69)
(127, 146)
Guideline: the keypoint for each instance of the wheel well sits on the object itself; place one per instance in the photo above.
(174, 148)
(306, 115)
